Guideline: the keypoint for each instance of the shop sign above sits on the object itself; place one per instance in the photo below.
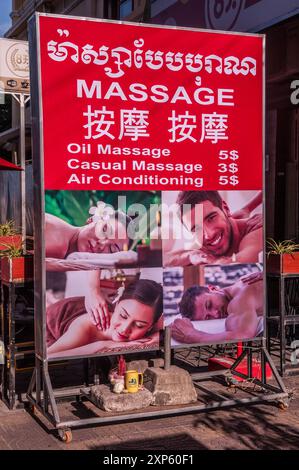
(14, 66)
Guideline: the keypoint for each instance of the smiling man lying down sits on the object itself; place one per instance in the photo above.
(225, 237)
(240, 304)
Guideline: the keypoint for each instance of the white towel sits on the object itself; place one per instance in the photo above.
(210, 326)
(104, 260)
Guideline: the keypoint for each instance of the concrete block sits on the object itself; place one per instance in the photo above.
(157, 362)
(109, 401)
(140, 366)
(170, 387)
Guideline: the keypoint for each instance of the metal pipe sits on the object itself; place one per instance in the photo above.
(167, 348)
(249, 360)
(23, 165)
(168, 412)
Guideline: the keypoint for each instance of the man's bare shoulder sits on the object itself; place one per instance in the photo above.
(252, 240)
(57, 233)
(241, 288)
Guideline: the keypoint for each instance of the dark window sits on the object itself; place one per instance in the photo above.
(126, 8)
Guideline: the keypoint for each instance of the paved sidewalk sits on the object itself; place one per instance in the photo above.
(253, 427)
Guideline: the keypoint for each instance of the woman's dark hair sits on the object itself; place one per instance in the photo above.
(123, 218)
(187, 304)
(146, 292)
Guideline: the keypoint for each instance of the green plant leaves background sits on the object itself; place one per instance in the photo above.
(73, 206)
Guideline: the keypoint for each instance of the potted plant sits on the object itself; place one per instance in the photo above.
(15, 265)
(283, 257)
(9, 234)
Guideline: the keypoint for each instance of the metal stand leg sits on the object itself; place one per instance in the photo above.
(167, 348)
(44, 396)
(263, 367)
(282, 326)
(249, 359)
(96, 375)
(280, 389)
(274, 370)
(86, 371)
(8, 386)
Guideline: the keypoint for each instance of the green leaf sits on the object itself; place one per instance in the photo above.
(76, 205)
(286, 246)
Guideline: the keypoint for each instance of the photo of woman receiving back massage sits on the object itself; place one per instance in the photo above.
(135, 319)
(88, 235)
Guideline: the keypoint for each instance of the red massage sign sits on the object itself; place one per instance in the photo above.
(147, 108)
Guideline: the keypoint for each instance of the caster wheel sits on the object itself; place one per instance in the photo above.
(65, 435)
(231, 383)
(283, 406)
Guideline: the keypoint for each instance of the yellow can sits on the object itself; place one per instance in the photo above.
(133, 380)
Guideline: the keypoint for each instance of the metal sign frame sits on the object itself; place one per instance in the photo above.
(40, 393)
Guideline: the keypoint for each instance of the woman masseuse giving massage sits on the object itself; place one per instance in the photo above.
(135, 317)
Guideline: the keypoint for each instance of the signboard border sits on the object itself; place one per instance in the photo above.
(39, 191)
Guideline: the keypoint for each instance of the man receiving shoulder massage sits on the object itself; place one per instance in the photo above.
(241, 304)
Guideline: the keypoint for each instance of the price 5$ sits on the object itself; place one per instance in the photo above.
(225, 179)
(228, 154)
